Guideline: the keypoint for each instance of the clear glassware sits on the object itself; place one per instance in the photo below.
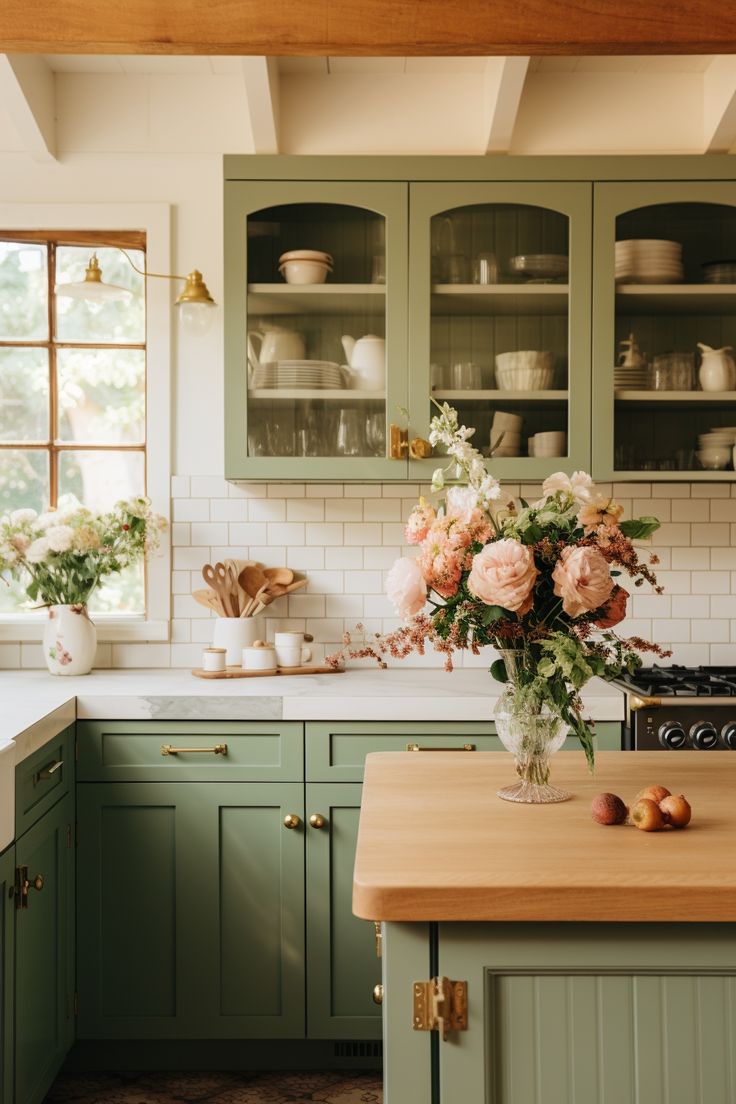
(465, 376)
(485, 269)
(672, 372)
(437, 376)
(375, 433)
(350, 438)
(378, 268)
(457, 268)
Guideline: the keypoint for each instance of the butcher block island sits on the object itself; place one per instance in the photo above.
(533, 956)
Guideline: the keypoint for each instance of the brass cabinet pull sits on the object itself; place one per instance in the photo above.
(317, 820)
(218, 749)
(24, 884)
(291, 820)
(419, 448)
(462, 747)
(36, 884)
(378, 994)
(48, 771)
(379, 939)
(398, 443)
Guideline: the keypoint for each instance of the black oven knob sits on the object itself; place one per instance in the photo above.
(672, 735)
(728, 735)
(704, 736)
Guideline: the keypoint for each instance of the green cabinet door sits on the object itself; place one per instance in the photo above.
(7, 948)
(191, 911)
(342, 965)
(44, 997)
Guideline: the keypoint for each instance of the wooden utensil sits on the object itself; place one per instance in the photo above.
(236, 566)
(256, 601)
(252, 580)
(218, 579)
(276, 591)
(209, 599)
(279, 575)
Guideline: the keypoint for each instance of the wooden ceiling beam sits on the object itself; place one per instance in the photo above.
(369, 27)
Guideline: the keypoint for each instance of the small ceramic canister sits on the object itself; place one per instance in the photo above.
(290, 650)
(213, 659)
(259, 657)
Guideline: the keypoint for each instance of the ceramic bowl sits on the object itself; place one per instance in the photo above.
(304, 272)
(504, 421)
(714, 459)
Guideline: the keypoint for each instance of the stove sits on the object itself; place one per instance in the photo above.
(680, 709)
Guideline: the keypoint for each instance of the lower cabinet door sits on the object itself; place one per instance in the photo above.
(7, 953)
(190, 910)
(342, 965)
(44, 975)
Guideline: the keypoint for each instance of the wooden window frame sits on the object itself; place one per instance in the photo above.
(127, 225)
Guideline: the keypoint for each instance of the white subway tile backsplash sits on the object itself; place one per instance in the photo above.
(710, 490)
(711, 631)
(364, 533)
(382, 509)
(393, 533)
(9, 656)
(281, 490)
(244, 533)
(288, 533)
(348, 559)
(685, 509)
(180, 533)
(180, 582)
(180, 486)
(711, 535)
(228, 509)
(692, 606)
(191, 509)
(247, 490)
(141, 655)
(306, 605)
(673, 535)
(690, 559)
(401, 490)
(344, 605)
(344, 509)
(671, 630)
(213, 532)
(306, 559)
(723, 654)
(324, 490)
(183, 605)
(324, 533)
(208, 486)
(723, 509)
(326, 582)
(711, 582)
(268, 509)
(670, 490)
(305, 509)
(364, 582)
(362, 490)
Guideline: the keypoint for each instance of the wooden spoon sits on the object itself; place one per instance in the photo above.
(277, 591)
(280, 575)
(218, 579)
(252, 579)
(209, 599)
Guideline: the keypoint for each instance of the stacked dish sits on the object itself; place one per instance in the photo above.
(715, 449)
(552, 443)
(649, 261)
(719, 272)
(630, 379)
(305, 266)
(313, 374)
(540, 267)
(505, 434)
(524, 370)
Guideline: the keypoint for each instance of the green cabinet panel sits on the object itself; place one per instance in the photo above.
(44, 963)
(7, 958)
(342, 965)
(128, 751)
(337, 749)
(190, 911)
(42, 778)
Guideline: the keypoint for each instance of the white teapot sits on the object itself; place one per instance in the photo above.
(717, 368)
(275, 344)
(367, 361)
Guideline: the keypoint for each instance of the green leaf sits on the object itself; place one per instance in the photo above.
(498, 671)
(533, 534)
(640, 528)
(492, 613)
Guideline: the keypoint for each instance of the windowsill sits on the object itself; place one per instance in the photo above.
(29, 628)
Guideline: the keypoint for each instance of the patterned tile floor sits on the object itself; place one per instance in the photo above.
(217, 1088)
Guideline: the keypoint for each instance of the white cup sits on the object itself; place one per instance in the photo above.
(236, 633)
(290, 649)
(503, 420)
(259, 659)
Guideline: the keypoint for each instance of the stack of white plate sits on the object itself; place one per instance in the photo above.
(649, 261)
(630, 379)
(551, 444)
(540, 267)
(286, 374)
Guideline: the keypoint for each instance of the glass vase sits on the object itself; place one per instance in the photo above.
(531, 731)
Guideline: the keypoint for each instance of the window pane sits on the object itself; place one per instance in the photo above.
(100, 479)
(23, 292)
(121, 593)
(117, 322)
(24, 479)
(102, 396)
(24, 394)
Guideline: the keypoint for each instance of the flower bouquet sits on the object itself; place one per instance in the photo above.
(539, 582)
(62, 555)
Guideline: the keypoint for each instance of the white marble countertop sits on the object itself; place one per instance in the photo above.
(35, 706)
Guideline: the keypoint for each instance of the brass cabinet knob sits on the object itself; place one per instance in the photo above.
(419, 448)
(378, 994)
(37, 883)
(317, 820)
(291, 820)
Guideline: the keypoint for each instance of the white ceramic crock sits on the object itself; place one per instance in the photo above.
(69, 641)
(236, 633)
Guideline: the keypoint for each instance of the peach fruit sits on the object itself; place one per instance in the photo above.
(607, 808)
(653, 793)
(675, 810)
(646, 814)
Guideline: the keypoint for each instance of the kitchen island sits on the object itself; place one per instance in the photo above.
(600, 962)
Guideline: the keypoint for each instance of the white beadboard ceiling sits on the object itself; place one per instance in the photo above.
(55, 105)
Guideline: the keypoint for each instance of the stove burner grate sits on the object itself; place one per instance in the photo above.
(678, 681)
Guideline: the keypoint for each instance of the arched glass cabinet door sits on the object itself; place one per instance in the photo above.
(500, 320)
(664, 288)
(315, 370)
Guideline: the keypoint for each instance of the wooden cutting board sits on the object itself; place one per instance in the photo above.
(238, 672)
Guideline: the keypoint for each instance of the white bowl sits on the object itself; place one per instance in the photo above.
(714, 459)
(306, 255)
(510, 436)
(524, 379)
(502, 420)
(304, 272)
(716, 440)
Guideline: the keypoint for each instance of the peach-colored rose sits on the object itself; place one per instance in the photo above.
(406, 587)
(601, 511)
(420, 519)
(503, 574)
(614, 610)
(582, 579)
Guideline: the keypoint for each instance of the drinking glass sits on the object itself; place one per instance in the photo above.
(465, 376)
(457, 268)
(350, 439)
(375, 433)
(485, 269)
(279, 438)
(436, 377)
(378, 268)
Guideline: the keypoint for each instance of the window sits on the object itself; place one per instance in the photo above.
(82, 411)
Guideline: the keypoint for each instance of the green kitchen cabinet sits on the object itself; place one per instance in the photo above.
(7, 959)
(44, 950)
(342, 964)
(565, 1012)
(190, 910)
(648, 427)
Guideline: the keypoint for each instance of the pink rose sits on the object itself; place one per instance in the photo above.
(419, 522)
(582, 580)
(503, 574)
(614, 610)
(406, 587)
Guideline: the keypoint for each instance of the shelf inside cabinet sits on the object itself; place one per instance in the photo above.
(675, 298)
(315, 298)
(344, 395)
(675, 398)
(505, 299)
(528, 397)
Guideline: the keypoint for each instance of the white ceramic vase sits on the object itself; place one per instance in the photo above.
(69, 641)
(236, 633)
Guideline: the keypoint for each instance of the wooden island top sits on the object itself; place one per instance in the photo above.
(436, 843)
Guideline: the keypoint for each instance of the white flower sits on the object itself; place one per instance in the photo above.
(438, 479)
(38, 551)
(60, 537)
(22, 517)
(580, 486)
(44, 520)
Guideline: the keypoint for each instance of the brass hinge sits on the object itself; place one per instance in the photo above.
(379, 939)
(440, 1005)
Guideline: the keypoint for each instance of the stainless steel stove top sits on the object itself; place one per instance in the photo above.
(680, 709)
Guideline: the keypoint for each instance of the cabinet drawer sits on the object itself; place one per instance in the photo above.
(337, 749)
(130, 751)
(42, 778)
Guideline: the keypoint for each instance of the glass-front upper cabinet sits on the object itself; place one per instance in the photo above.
(664, 378)
(315, 328)
(500, 320)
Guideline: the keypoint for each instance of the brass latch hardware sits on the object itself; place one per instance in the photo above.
(379, 939)
(218, 749)
(461, 747)
(23, 886)
(440, 1005)
(378, 994)
(398, 445)
(419, 448)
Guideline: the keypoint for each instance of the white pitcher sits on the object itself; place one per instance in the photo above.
(367, 361)
(275, 344)
(717, 368)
